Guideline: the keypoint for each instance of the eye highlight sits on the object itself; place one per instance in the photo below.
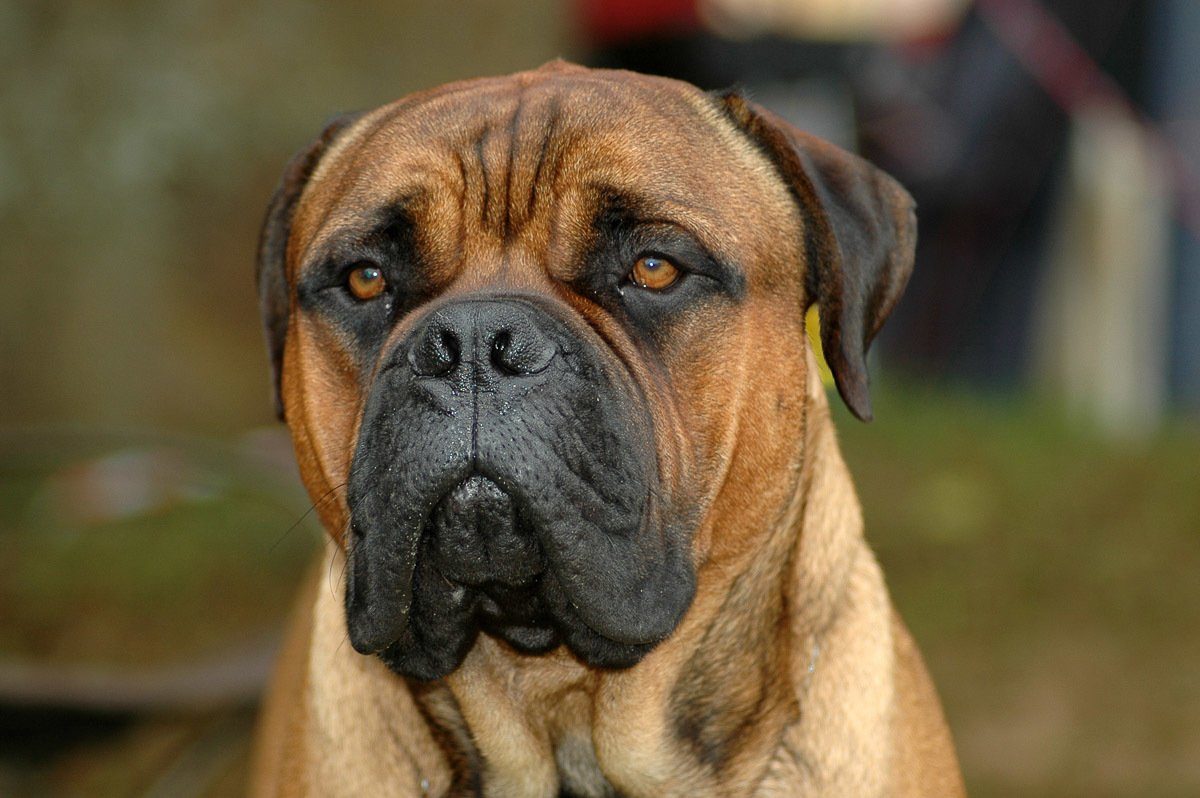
(654, 273)
(366, 282)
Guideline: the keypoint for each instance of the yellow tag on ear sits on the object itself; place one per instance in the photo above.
(812, 323)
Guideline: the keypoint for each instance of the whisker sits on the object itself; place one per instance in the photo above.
(307, 513)
(329, 576)
(342, 573)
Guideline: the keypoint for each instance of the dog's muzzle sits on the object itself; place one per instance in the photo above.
(505, 479)
(475, 536)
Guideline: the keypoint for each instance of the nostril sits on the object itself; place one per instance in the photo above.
(498, 337)
(523, 354)
(449, 350)
(500, 345)
(436, 352)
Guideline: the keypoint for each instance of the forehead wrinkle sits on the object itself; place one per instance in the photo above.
(421, 107)
(593, 108)
(385, 116)
(512, 134)
(552, 142)
(663, 195)
(707, 224)
(364, 223)
(388, 164)
(732, 169)
(332, 182)
(576, 181)
(363, 139)
(355, 144)
(550, 130)
(346, 216)
(513, 130)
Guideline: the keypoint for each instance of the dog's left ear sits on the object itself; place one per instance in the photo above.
(860, 232)
(271, 273)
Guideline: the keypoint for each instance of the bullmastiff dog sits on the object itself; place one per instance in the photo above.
(540, 343)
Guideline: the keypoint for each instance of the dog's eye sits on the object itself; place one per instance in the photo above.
(654, 273)
(366, 282)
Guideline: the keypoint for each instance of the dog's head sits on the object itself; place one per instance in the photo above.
(540, 343)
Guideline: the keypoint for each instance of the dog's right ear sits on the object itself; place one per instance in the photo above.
(860, 237)
(273, 295)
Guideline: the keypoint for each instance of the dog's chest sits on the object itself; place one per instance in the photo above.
(579, 772)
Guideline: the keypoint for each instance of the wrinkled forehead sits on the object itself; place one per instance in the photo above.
(502, 150)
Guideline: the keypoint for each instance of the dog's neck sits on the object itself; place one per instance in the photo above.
(676, 722)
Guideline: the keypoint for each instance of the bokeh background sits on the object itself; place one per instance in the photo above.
(1031, 483)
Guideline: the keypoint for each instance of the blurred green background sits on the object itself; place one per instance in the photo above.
(152, 529)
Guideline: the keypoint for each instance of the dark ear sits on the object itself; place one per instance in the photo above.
(860, 234)
(271, 273)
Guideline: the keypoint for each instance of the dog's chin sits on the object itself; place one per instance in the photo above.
(436, 643)
(480, 566)
(531, 636)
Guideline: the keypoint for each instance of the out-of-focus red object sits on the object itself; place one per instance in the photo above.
(615, 21)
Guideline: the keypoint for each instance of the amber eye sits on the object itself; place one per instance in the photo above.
(654, 273)
(366, 282)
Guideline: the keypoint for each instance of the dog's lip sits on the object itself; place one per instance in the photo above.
(478, 536)
(371, 630)
(474, 479)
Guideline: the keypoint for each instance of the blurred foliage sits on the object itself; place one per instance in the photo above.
(128, 551)
(162, 756)
(1049, 575)
(139, 142)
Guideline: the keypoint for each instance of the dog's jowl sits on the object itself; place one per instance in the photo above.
(539, 341)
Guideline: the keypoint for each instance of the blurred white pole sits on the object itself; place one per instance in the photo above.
(1103, 311)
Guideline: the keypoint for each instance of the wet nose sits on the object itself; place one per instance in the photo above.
(500, 338)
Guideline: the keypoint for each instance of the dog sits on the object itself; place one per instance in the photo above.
(540, 343)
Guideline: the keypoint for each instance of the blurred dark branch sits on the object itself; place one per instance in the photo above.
(234, 678)
(1072, 79)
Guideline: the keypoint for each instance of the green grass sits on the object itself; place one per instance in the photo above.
(141, 550)
(1052, 578)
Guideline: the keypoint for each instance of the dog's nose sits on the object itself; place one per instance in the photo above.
(498, 337)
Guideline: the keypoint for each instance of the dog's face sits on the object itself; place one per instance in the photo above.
(520, 326)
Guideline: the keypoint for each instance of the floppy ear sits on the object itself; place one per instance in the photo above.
(271, 271)
(860, 232)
